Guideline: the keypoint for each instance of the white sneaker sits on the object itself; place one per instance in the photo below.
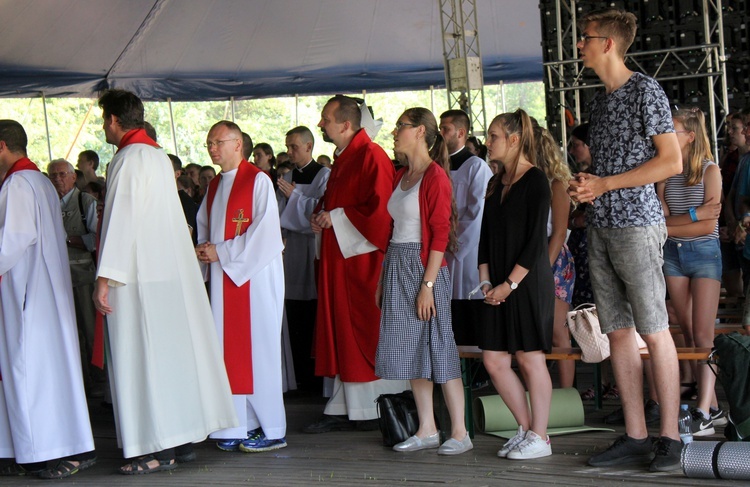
(512, 443)
(533, 446)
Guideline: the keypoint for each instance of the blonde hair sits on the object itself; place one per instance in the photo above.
(518, 123)
(549, 156)
(699, 149)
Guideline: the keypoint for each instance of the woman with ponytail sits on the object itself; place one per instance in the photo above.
(414, 291)
(517, 283)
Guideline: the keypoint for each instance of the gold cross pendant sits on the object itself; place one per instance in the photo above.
(239, 221)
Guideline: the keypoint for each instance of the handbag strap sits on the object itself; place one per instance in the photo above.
(584, 305)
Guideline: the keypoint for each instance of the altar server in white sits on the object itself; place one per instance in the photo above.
(470, 175)
(169, 385)
(298, 194)
(43, 411)
(239, 239)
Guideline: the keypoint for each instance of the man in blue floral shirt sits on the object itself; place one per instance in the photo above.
(633, 145)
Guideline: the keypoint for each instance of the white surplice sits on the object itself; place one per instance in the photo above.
(169, 384)
(469, 187)
(254, 256)
(43, 411)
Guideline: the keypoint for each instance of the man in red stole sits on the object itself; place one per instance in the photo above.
(239, 239)
(354, 226)
(43, 412)
(169, 384)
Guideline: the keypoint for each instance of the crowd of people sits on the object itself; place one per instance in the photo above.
(209, 295)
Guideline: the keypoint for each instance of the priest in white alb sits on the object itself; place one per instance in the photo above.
(239, 240)
(169, 385)
(43, 411)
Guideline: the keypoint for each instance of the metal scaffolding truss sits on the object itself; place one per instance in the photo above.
(565, 75)
(463, 61)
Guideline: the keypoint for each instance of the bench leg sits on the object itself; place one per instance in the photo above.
(467, 376)
(598, 386)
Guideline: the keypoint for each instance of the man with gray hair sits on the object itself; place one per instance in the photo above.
(80, 220)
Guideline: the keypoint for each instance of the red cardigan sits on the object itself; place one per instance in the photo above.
(435, 198)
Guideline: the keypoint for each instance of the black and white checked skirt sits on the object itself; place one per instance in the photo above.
(409, 348)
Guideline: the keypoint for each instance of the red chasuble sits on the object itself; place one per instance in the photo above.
(237, 339)
(23, 164)
(348, 322)
(135, 136)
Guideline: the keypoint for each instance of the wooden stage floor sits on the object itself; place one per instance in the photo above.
(359, 459)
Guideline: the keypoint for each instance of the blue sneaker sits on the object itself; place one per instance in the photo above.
(229, 445)
(259, 443)
(234, 444)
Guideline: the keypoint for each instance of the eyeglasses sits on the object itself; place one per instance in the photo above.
(54, 175)
(400, 125)
(218, 143)
(585, 38)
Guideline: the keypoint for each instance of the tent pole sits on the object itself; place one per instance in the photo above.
(231, 100)
(432, 99)
(171, 124)
(46, 125)
(80, 128)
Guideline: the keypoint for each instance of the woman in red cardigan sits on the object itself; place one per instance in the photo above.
(414, 292)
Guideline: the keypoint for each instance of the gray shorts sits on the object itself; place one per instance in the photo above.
(626, 276)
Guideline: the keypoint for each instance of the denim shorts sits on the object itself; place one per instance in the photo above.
(694, 259)
(625, 265)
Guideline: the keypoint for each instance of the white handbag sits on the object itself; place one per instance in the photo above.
(583, 323)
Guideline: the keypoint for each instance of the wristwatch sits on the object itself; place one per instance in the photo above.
(429, 284)
(513, 285)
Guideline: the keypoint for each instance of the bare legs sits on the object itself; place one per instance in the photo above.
(454, 399)
(561, 338)
(534, 370)
(628, 369)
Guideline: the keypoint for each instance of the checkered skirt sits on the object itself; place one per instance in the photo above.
(408, 347)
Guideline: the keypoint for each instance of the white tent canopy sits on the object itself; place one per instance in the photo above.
(217, 49)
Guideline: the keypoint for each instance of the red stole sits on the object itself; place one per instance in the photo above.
(237, 338)
(23, 164)
(135, 136)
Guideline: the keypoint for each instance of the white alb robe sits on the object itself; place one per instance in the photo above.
(254, 256)
(169, 383)
(43, 411)
(469, 187)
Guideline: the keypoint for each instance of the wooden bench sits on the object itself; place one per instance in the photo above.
(470, 354)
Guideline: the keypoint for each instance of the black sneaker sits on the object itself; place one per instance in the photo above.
(666, 455)
(615, 417)
(624, 451)
(700, 425)
(652, 412)
(718, 416)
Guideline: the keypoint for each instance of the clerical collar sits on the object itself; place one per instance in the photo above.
(459, 150)
(302, 169)
(458, 158)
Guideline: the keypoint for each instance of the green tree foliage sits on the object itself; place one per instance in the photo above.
(75, 124)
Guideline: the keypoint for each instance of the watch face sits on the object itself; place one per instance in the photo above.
(429, 283)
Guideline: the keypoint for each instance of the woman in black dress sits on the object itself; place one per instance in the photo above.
(519, 287)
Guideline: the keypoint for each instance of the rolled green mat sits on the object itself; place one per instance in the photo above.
(492, 416)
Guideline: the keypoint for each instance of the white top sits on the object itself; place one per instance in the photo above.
(404, 209)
